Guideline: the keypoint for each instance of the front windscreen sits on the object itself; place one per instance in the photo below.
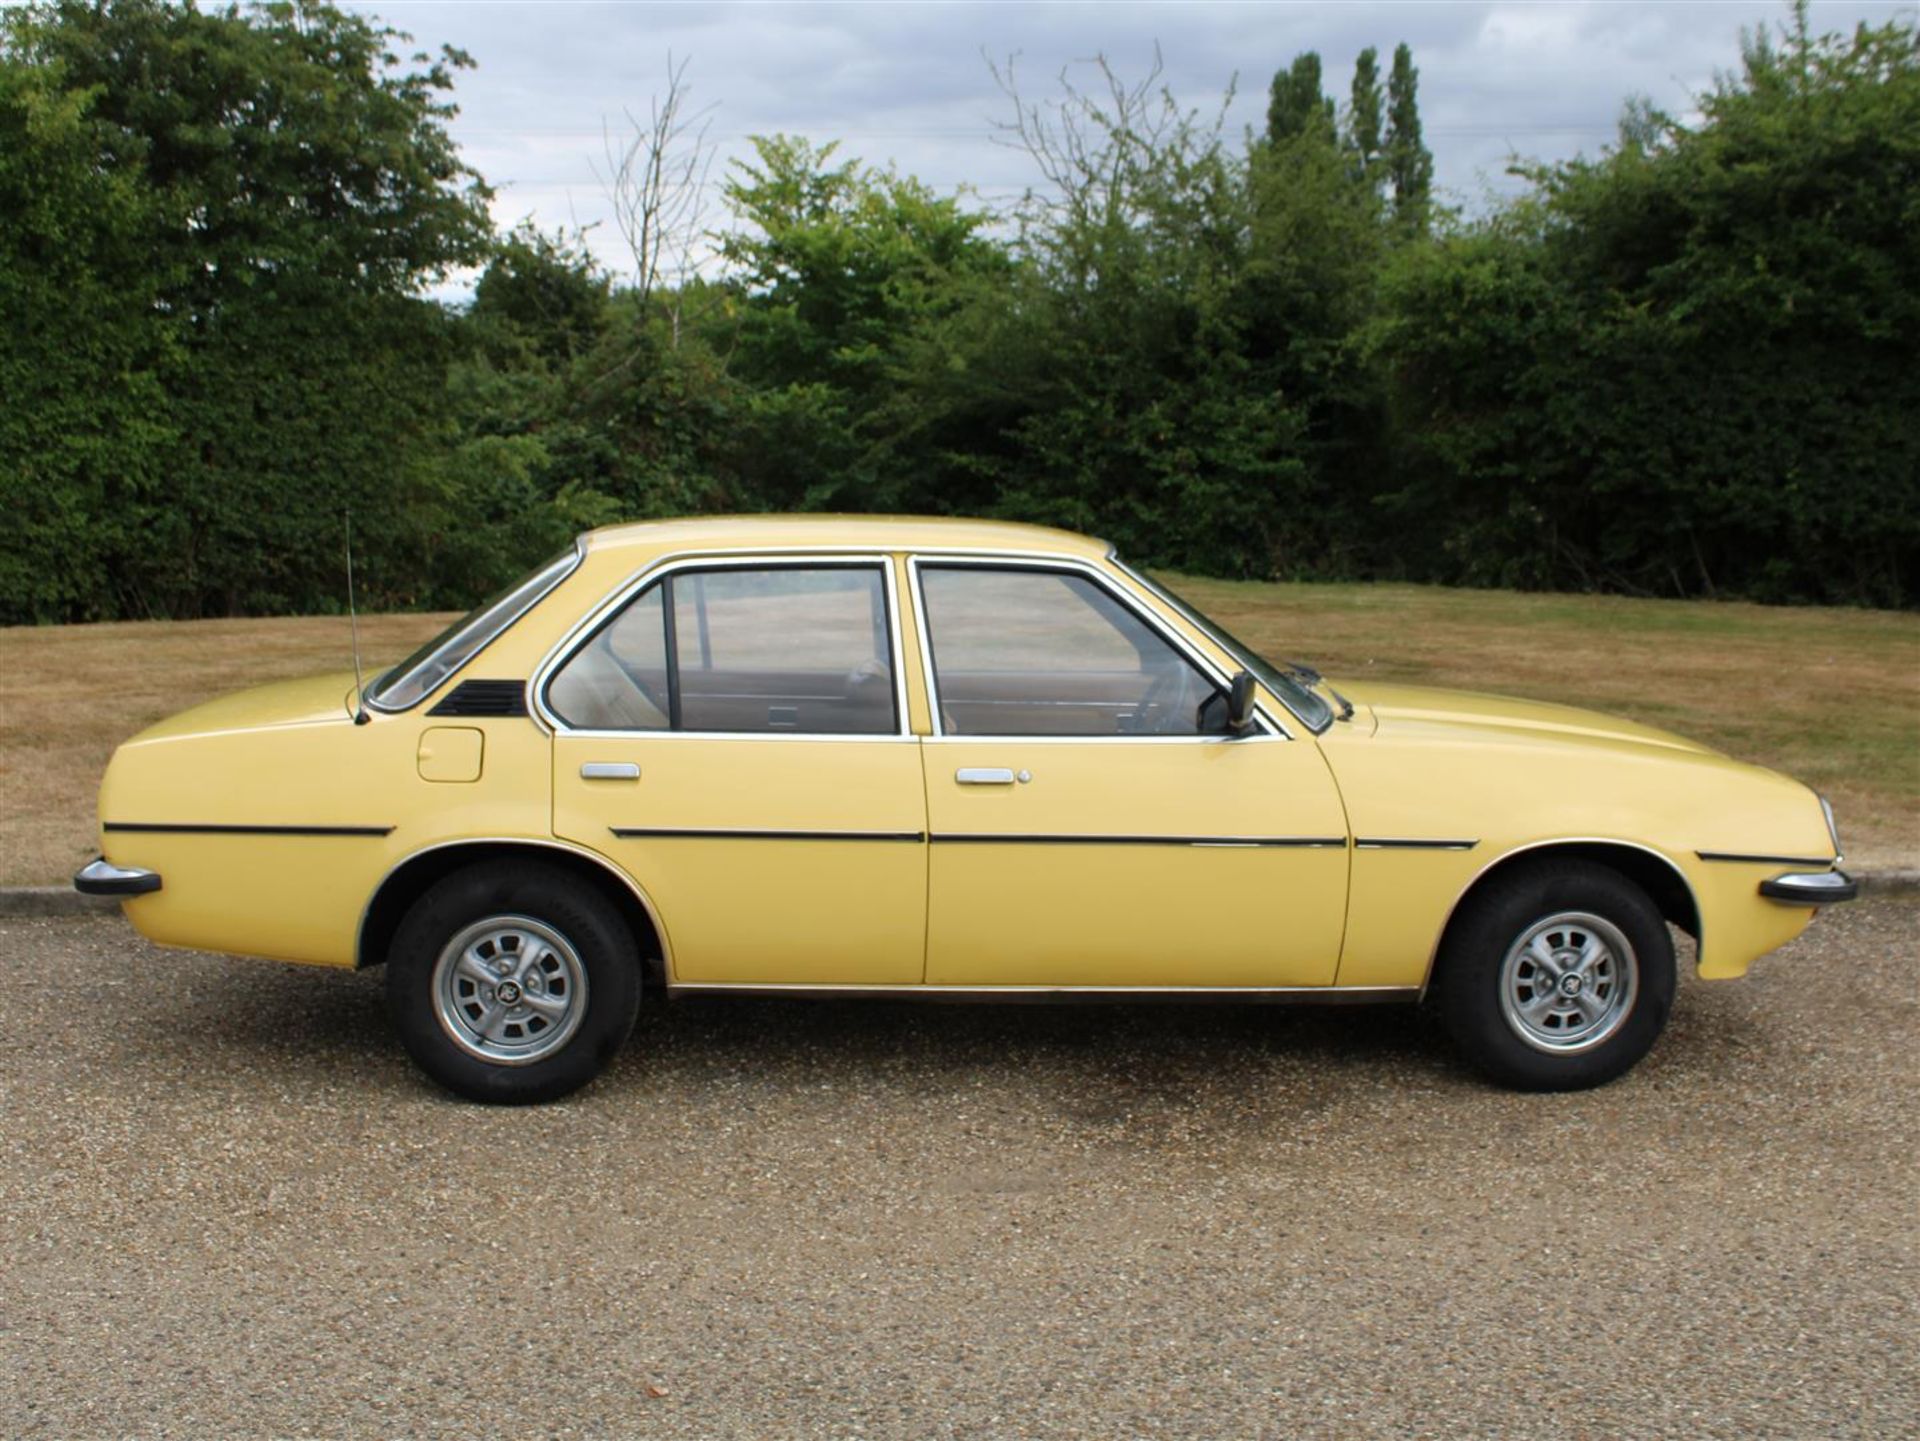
(440, 657)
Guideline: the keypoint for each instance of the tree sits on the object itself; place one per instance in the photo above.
(840, 269)
(1688, 366)
(544, 292)
(1129, 393)
(289, 189)
(84, 424)
(1295, 104)
(1409, 163)
(1364, 118)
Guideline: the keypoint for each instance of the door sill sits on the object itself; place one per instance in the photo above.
(1297, 995)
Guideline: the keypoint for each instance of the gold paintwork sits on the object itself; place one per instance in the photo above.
(1011, 911)
(820, 907)
(763, 908)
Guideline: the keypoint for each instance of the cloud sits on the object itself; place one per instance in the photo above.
(909, 84)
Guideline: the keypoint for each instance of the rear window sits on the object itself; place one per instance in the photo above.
(416, 676)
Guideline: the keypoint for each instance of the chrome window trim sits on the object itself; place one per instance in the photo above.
(366, 695)
(1122, 596)
(957, 740)
(583, 631)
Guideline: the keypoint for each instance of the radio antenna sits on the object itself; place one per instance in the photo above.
(360, 716)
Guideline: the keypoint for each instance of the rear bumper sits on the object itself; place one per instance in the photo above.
(1810, 888)
(99, 877)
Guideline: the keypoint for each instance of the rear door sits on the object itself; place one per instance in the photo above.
(733, 735)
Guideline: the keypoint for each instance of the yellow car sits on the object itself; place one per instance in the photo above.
(863, 756)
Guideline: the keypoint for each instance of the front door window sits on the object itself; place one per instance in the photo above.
(1027, 652)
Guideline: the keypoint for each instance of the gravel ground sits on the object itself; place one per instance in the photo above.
(234, 1209)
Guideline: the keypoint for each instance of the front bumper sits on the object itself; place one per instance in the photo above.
(99, 877)
(1810, 888)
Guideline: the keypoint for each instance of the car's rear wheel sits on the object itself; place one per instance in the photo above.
(513, 983)
(1556, 976)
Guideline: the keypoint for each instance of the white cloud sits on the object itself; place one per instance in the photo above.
(907, 83)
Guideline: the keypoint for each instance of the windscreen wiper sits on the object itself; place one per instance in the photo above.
(1307, 675)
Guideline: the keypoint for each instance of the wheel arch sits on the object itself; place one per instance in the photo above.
(409, 879)
(1663, 882)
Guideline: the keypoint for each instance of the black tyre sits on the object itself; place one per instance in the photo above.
(513, 983)
(1556, 976)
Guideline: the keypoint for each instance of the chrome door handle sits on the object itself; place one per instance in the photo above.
(609, 771)
(984, 776)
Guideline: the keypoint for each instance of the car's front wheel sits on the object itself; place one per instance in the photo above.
(512, 983)
(1556, 976)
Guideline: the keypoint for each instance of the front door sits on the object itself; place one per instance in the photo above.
(1086, 829)
(734, 737)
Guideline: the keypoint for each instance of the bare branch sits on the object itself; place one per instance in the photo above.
(657, 178)
(1105, 153)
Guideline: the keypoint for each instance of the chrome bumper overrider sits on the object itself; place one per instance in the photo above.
(1810, 888)
(99, 877)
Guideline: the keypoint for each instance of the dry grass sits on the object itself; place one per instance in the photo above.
(69, 694)
(1830, 696)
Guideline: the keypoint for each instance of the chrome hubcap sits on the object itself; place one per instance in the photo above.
(510, 990)
(1568, 982)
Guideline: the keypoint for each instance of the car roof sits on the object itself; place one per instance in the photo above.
(835, 532)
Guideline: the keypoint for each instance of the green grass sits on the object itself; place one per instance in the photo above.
(1829, 696)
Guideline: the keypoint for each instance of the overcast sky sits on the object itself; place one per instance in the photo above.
(908, 83)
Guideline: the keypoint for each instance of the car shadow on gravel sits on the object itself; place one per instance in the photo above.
(298, 1023)
(319, 1026)
(1091, 1067)
(1142, 1076)
(711, 1033)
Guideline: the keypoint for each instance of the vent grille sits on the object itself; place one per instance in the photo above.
(485, 698)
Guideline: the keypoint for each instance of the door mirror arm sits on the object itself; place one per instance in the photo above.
(1240, 705)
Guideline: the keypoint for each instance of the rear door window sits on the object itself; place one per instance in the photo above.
(790, 648)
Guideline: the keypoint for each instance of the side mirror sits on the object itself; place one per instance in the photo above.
(1240, 704)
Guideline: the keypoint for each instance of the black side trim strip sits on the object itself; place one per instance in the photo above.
(1295, 842)
(170, 828)
(1383, 843)
(1740, 857)
(720, 834)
